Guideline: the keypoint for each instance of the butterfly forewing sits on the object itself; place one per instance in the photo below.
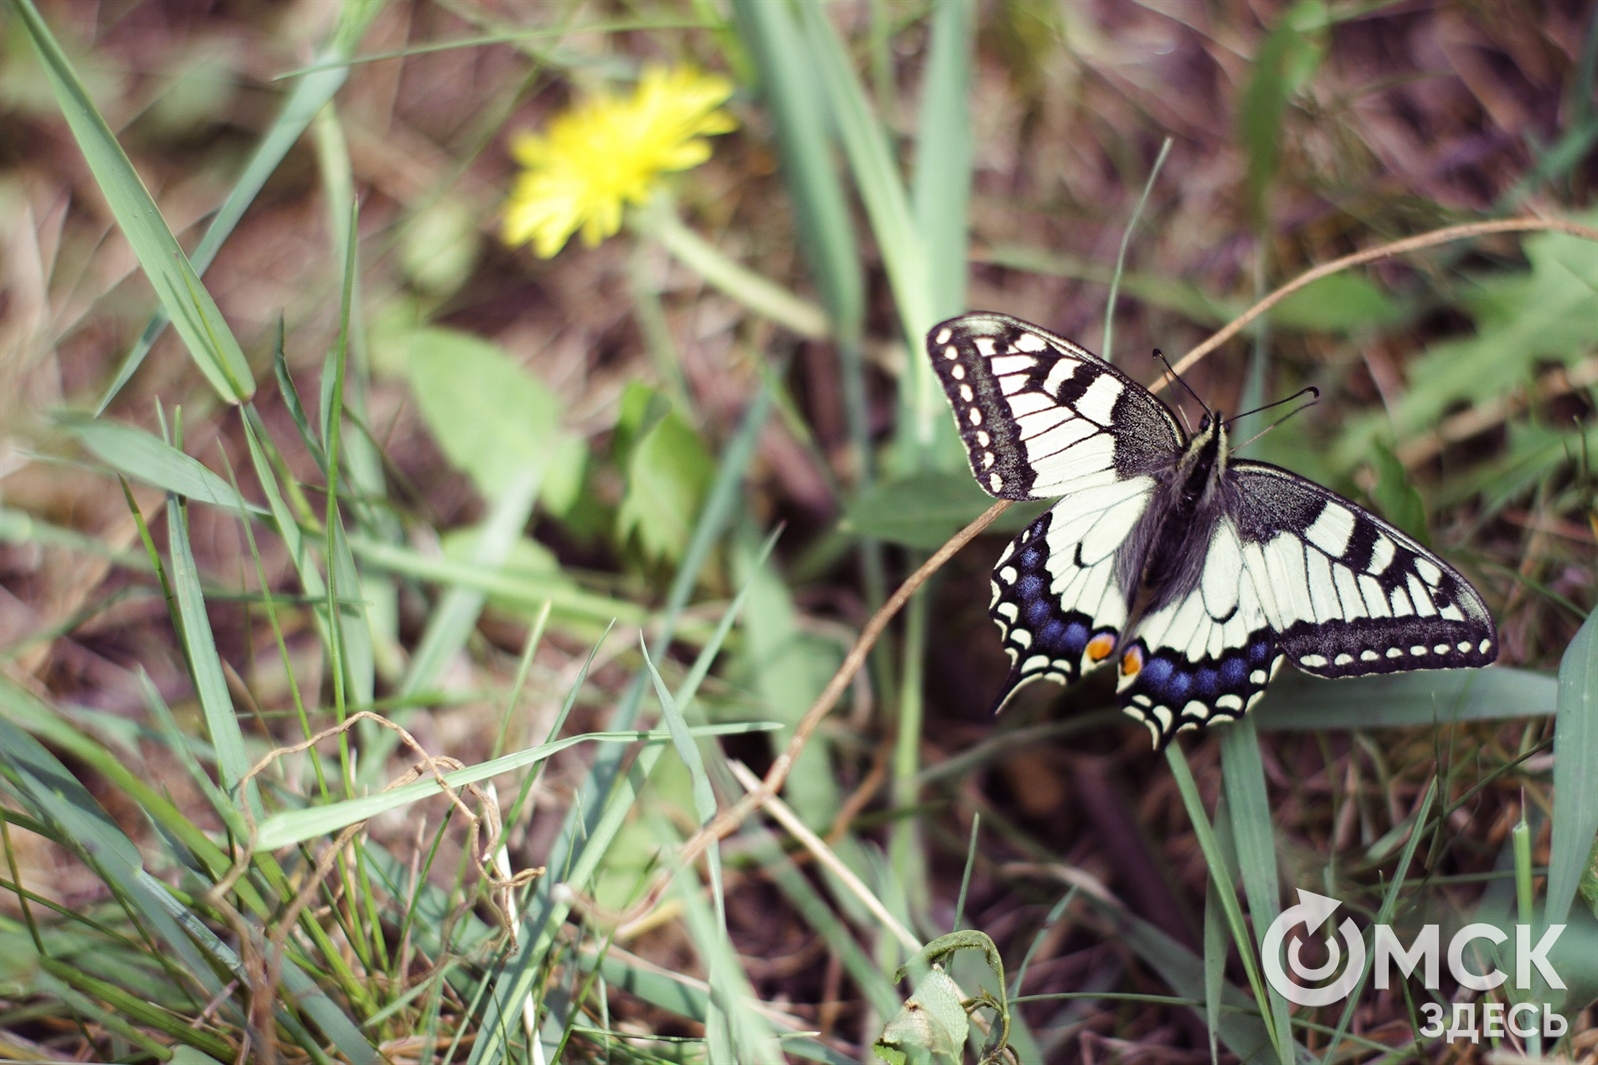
(1361, 596)
(1040, 416)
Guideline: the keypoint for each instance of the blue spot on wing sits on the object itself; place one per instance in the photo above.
(1044, 636)
(1171, 681)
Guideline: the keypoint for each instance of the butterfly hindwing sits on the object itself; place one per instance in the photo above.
(1040, 416)
(1055, 595)
(1209, 654)
(1353, 595)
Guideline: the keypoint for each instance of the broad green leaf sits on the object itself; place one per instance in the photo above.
(1287, 59)
(205, 333)
(668, 472)
(440, 246)
(1338, 303)
(931, 1027)
(1395, 497)
(1575, 818)
(492, 418)
(925, 509)
(1524, 320)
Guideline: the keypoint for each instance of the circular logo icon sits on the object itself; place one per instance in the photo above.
(1311, 912)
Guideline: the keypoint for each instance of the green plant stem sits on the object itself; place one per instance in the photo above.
(765, 297)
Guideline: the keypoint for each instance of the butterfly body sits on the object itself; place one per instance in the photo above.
(1197, 574)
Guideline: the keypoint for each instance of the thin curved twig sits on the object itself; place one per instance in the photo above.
(1397, 247)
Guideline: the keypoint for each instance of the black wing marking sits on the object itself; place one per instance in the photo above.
(1041, 416)
(1055, 596)
(1351, 594)
(1207, 656)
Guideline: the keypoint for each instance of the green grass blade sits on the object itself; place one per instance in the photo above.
(1243, 1032)
(823, 225)
(310, 94)
(755, 291)
(876, 175)
(296, 826)
(454, 618)
(941, 192)
(456, 615)
(1389, 908)
(682, 739)
(146, 458)
(205, 665)
(1106, 345)
(1216, 943)
(825, 228)
(530, 591)
(802, 894)
(733, 1031)
(1423, 698)
(372, 641)
(593, 821)
(1254, 837)
(730, 1025)
(1220, 877)
(1575, 813)
(56, 797)
(205, 333)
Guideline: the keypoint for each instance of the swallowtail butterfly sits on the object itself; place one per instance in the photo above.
(1196, 573)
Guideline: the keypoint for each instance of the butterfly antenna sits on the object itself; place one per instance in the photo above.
(1171, 370)
(1315, 397)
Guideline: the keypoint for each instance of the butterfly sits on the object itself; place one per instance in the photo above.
(1195, 572)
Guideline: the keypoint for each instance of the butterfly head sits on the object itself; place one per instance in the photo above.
(1212, 432)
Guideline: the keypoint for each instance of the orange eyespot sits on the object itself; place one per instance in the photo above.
(1132, 662)
(1101, 646)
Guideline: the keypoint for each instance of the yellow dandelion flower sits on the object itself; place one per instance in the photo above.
(609, 151)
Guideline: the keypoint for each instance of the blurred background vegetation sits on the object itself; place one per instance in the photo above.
(613, 514)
